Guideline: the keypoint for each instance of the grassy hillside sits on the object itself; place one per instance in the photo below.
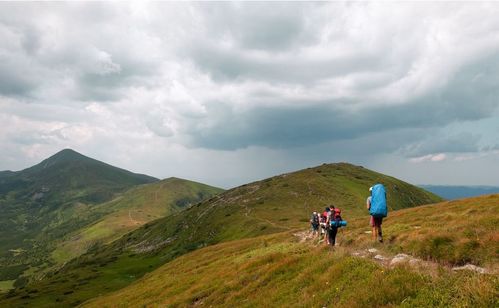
(452, 232)
(276, 270)
(133, 209)
(43, 203)
(267, 272)
(273, 205)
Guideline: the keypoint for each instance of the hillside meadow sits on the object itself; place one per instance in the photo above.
(277, 270)
(282, 270)
(452, 232)
(131, 210)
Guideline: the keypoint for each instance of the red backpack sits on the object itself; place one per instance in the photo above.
(337, 213)
(324, 217)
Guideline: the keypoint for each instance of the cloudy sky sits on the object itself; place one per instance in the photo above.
(226, 93)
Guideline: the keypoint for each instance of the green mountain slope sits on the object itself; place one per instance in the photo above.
(6, 173)
(133, 209)
(273, 205)
(277, 270)
(56, 210)
(69, 176)
(44, 202)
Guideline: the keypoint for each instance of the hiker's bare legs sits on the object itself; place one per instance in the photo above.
(374, 233)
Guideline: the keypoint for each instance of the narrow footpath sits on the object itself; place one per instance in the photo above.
(390, 261)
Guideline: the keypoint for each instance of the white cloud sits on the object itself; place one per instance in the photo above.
(430, 157)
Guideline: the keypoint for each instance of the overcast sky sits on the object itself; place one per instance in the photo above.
(227, 93)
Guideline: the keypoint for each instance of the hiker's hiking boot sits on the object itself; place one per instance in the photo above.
(380, 238)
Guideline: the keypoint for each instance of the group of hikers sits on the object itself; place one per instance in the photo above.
(328, 222)
(326, 225)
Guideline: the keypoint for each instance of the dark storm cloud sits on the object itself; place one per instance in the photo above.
(227, 65)
(430, 143)
(13, 82)
(271, 26)
(78, 47)
(463, 99)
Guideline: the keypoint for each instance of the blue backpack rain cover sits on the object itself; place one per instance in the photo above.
(378, 201)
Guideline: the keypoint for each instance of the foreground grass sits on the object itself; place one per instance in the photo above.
(277, 271)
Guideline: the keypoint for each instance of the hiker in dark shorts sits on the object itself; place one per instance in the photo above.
(375, 222)
(334, 215)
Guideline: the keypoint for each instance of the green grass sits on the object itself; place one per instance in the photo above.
(270, 206)
(6, 285)
(275, 270)
(133, 209)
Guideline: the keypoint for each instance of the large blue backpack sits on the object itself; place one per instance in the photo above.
(378, 201)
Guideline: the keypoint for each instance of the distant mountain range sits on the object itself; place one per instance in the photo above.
(458, 192)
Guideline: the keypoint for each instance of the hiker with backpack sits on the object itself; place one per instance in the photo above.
(376, 204)
(314, 224)
(334, 222)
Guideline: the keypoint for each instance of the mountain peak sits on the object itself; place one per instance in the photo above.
(67, 154)
(68, 162)
(63, 156)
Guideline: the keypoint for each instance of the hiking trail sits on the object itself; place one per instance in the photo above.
(387, 261)
(133, 221)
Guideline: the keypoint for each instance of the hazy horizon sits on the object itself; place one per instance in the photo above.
(228, 93)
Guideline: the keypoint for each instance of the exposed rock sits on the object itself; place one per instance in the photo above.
(400, 258)
(37, 196)
(145, 246)
(414, 262)
(379, 257)
(372, 250)
(470, 267)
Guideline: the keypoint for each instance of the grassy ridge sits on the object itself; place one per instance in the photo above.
(133, 209)
(273, 205)
(275, 270)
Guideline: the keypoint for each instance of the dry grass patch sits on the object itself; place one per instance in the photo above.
(277, 270)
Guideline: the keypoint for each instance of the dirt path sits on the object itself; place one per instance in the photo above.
(390, 261)
(133, 221)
